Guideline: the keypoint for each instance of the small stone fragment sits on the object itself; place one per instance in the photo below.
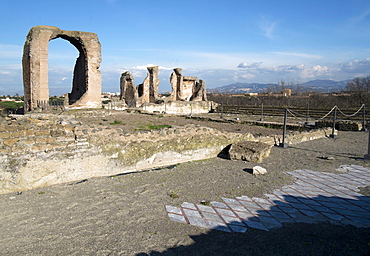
(258, 170)
(327, 157)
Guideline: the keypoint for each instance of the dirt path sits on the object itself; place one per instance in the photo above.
(125, 215)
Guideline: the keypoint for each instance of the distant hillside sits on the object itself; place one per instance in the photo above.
(314, 85)
(241, 88)
(325, 85)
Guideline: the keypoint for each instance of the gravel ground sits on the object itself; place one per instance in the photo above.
(125, 214)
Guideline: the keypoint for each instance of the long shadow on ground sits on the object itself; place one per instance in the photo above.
(334, 222)
(292, 239)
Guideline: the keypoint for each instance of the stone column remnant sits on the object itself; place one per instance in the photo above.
(148, 91)
(176, 83)
(128, 90)
(86, 88)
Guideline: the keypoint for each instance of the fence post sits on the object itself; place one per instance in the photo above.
(308, 111)
(262, 113)
(332, 135)
(222, 109)
(367, 156)
(364, 129)
(283, 144)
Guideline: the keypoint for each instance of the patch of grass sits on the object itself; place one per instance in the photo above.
(41, 192)
(173, 194)
(159, 126)
(152, 127)
(116, 122)
(141, 127)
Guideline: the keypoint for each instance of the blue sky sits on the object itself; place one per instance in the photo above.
(221, 42)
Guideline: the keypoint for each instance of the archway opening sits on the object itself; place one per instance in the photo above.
(65, 69)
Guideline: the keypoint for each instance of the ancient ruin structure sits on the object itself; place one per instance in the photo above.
(176, 81)
(148, 91)
(184, 88)
(199, 92)
(187, 88)
(86, 88)
(128, 90)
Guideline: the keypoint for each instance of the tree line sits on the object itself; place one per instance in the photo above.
(355, 93)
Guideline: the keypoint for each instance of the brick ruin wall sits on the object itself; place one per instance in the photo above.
(40, 150)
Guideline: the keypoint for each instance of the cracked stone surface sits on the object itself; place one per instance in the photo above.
(314, 197)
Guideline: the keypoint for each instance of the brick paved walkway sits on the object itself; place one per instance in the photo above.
(314, 197)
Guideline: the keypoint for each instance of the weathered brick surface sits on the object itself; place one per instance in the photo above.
(26, 141)
(10, 142)
(19, 134)
(4, 135)
(42, 133)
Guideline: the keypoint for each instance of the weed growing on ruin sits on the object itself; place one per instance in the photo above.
(41, 192)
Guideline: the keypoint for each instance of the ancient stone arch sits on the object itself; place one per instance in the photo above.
(86, 87)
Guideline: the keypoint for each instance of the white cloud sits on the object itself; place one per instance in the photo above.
(249, 65)
(145, 67)
(319, 68)
(357, 66)
(296, 67)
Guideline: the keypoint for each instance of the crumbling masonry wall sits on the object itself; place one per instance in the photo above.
(128, 90)
(86, 87)
(184, 88)
(41, 150)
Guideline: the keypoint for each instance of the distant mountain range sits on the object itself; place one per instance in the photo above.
(314, 85)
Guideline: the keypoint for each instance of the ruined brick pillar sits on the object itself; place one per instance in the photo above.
(128, 91)
(149, 89)
(86, 88)
(176, 83)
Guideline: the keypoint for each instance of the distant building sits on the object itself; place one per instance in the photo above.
(7, 99)
(287, 92)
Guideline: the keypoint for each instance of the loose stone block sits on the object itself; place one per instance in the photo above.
(249, 151)
(258, 170)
